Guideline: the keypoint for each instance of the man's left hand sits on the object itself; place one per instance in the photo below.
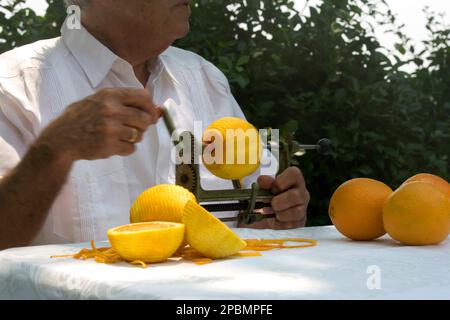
(290, 202)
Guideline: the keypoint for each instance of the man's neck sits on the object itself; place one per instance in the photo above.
(123, 50)
(142, 73)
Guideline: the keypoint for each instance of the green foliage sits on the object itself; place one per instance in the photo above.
(323, 71)
(20, 25)
(328, 72)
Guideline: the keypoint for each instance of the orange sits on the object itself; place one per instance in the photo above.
(417, 213)
(149, 242)
(233, 148)
(356, 208)
(437, 181)
(208, 235)
(164, 202)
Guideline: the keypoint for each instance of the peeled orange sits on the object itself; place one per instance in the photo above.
(356, 208)
(208, 235)
(149, 242)
(233, 148)
(437, 181)
(417, 213)
(163, 202)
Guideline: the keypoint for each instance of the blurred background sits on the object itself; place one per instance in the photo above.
(372, 75)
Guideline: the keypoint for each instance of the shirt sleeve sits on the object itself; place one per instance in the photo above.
(221, 82)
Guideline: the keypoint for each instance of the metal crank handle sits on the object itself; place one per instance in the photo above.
(215, 207)
(250, 218)
(323, 146)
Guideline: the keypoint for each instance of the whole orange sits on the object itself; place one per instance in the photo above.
(164, 202)
(356, 208)
(437, 181)
(417, 213)
(233, 148)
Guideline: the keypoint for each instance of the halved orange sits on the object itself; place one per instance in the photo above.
(208, 235)
(149, 242)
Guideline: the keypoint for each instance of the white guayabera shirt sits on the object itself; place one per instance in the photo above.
(38, 81)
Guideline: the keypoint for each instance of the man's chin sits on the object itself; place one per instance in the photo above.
(183, 31)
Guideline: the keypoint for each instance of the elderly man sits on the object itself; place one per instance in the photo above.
(80, 135)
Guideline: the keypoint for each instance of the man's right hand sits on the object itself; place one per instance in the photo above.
(105, 124)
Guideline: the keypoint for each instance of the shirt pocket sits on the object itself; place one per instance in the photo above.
(109, 195)
(96, 200)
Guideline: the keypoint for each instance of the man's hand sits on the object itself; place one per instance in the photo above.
(290, 202)
(107, 123)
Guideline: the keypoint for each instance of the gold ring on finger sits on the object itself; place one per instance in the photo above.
(134, 135)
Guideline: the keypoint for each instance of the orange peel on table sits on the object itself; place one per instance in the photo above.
(253, 249)
(271, 244)
(101, 255)
(209, 239)
(212, 239)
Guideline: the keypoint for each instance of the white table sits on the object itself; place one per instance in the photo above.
(336, 269)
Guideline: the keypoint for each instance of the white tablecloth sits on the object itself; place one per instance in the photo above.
(336, 269)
